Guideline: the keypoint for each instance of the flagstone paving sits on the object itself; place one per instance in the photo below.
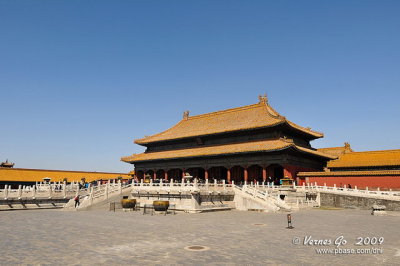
(56, 237)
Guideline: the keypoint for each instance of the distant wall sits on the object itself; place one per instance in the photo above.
(388, 182)
(344, 201)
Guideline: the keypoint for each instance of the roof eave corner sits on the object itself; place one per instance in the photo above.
(126, 159)
(140, 141)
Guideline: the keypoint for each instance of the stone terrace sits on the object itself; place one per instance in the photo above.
(100, 237)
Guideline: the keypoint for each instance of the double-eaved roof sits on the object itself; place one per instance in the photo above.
(248, 117)
(255, 116)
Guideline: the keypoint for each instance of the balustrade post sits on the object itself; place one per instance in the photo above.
(33, 192)
(215, 183)
(5, 191)
(50, 191)
(182, 182)
(171, 183)
(223, 184)
(120, 186)
(161, 182)
(233, 183)
(91, 196)
(141, 182)
(64, 189)
(19, 192)
(334, 186)
(106, 190)
(207, 183)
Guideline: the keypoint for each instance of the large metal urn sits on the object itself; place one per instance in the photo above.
(128, 203)
(161, 205)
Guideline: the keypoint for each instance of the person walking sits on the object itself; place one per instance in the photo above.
(76, 201)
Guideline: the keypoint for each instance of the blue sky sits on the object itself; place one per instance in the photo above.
(79, 80)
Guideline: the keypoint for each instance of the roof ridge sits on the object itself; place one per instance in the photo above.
(230, 110)
(378, 151)
(331, 148)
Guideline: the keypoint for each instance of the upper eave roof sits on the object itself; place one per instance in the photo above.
(367, 159)
(225, 149)
(236, 119)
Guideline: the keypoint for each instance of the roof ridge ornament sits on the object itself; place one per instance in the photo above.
(286, 139)
(262, 99)
(186, 115)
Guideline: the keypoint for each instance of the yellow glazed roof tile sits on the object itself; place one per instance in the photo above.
(337, 151)
(242, 118)
(367, 159)
(256, 146)
(352, 173)
(37, 175)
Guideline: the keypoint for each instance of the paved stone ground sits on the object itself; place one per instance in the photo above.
(56, 237)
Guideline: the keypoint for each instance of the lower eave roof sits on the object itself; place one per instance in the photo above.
(225, 149)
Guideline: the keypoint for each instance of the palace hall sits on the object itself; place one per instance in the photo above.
(248, 143)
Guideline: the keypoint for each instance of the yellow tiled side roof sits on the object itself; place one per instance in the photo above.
(351, 173)
(367, 159)
(336, 151)
(37, 175)
(241, 118)
(256, 146)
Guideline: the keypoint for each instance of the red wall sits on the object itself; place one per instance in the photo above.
(291, 172)
(360, 181)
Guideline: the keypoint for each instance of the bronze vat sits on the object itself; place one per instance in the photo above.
(161, 205)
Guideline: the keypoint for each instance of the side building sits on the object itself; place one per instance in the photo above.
(372, 169)
(24, 176)
(248, 143)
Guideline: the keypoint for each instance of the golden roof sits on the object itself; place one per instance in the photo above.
(352, 173)
(242, 118)
(367, 159)
(256, 146)
(37, 175)
(337, 151)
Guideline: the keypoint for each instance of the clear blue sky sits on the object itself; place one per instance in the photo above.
(79, 80)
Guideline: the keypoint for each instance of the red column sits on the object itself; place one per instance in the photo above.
(288, 171)
(264, 174)
(183, 172)
(166, 175)
(246, 174)
(228, 175)
(206, 174)
(154, 175)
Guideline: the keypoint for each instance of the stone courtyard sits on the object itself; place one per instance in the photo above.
(56, 237)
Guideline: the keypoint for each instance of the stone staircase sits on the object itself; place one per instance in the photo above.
(253, 198)
(100, 196)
